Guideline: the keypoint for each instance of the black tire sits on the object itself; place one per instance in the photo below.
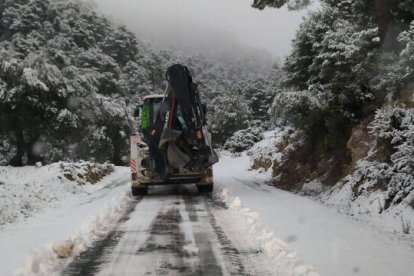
(205, 189)
(140, 191)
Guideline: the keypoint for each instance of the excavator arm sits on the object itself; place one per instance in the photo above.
(176, 144)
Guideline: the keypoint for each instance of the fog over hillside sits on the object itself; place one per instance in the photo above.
(210, 27)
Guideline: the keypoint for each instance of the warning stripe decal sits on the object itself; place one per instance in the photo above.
(133, 166)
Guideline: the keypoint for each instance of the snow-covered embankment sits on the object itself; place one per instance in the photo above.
(44, 205)
(331, 242)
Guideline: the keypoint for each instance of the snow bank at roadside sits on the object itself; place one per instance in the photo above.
(287, 261)
(371, 207)
(333, 243)
(28, 190)
(60, 218)
(360, 194)
(52, 259)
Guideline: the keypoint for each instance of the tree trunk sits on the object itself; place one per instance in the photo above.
(384, 18)
(17, 160)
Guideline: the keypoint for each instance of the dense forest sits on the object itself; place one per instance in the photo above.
(70, 78)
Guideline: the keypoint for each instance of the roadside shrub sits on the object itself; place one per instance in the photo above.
(244, 139)
(7, 151)
(85, 172)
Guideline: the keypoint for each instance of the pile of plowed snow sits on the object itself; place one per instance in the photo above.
(28, 190)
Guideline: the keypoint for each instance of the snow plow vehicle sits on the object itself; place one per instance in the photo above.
(173, 144)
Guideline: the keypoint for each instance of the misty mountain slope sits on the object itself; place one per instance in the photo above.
(223, 30)
(70, 79)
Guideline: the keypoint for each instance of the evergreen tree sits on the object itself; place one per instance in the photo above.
(67, 89)
(341, 58)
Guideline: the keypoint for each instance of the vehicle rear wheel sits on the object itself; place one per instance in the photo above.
(141, 191)
(205, 189)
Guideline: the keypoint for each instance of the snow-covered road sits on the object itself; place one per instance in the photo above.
(173, 231)
(244, 228)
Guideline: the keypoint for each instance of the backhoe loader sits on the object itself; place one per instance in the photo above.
(172, 144)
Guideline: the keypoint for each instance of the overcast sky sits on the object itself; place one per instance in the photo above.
(206, 24)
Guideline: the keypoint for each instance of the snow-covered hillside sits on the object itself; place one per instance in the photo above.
(40, 206)
(27, 191)
(373, 204)
(331, 242)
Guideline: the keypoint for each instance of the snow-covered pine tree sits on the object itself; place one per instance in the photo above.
(70, 78)
(67, 90)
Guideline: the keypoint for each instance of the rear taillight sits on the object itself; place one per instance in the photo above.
(134, 176)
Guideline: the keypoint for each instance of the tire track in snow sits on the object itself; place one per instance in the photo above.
(172, 232)
(170, 235)
(124, 259)
(208, 261)
(234, 261)
(167, 240)
(89, 261)
(228, 249)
